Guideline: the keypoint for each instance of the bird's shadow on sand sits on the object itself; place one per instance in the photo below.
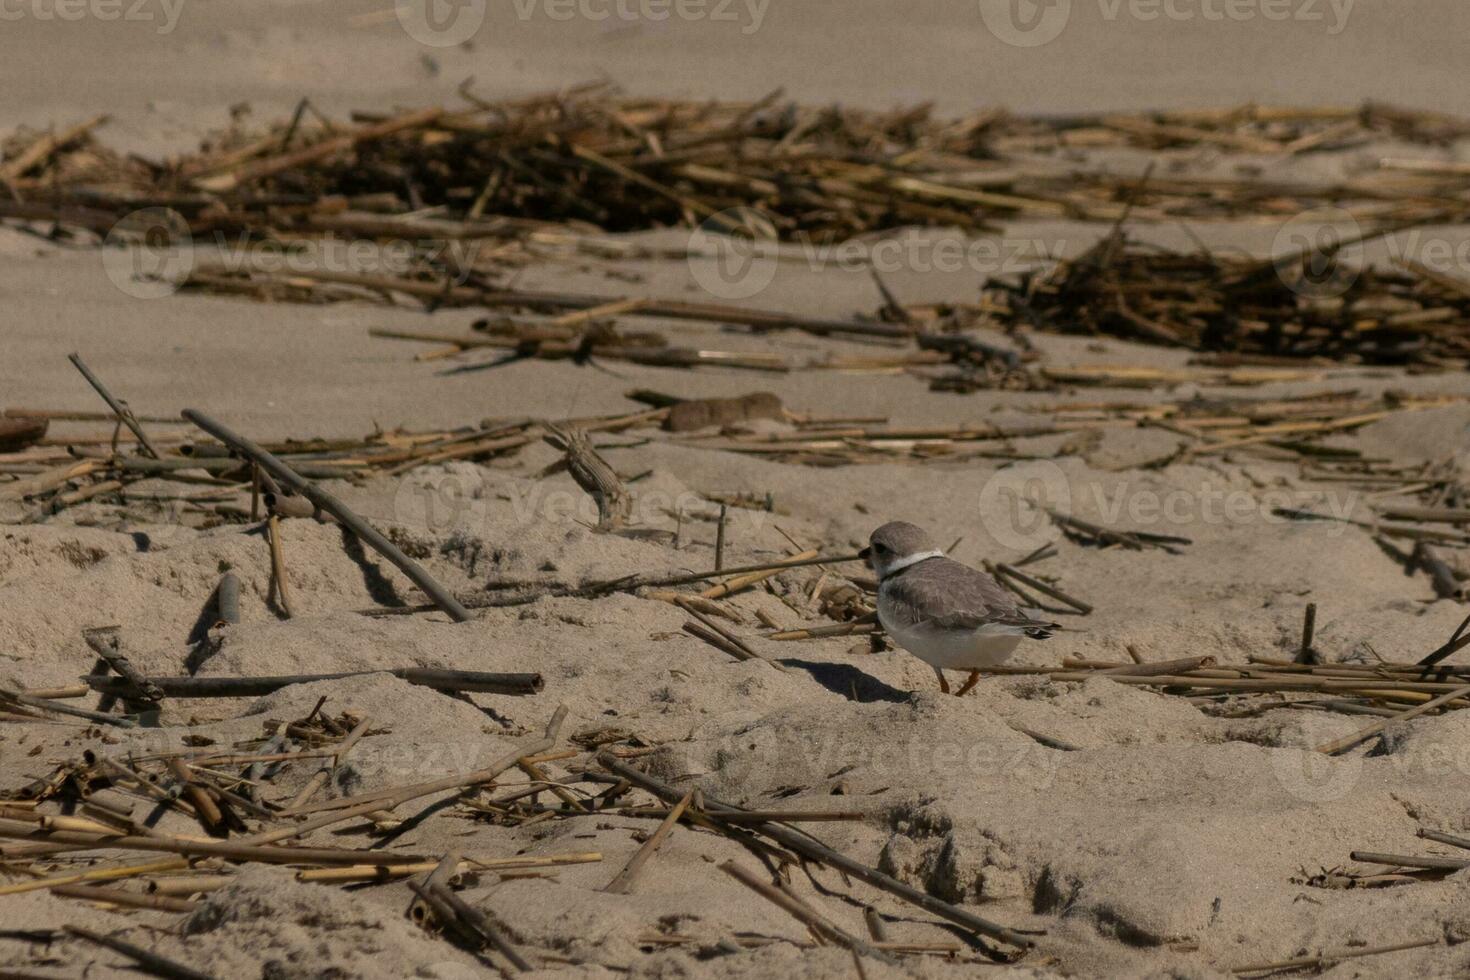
(851, 683)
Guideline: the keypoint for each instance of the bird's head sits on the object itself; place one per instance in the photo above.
(897, 545)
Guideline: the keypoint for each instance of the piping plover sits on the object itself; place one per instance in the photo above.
(946, 614)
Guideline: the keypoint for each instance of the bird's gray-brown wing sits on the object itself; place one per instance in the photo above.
(945, 594)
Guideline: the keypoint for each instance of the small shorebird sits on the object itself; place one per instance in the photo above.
(946, 614)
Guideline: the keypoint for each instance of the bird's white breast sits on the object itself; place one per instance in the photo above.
(986, 646)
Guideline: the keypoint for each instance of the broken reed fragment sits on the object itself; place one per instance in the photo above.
(120, 409)
(810, 848)
(623, 883)
(364, 531)
(250, 687)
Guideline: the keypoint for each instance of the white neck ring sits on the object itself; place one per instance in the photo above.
(913, 559)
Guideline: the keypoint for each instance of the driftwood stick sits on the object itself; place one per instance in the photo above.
(119, 721)
(754, 816)
(716, 640)
(394, 796)
(192, 847)
(1428, 862)
(1040, 586)
(123, 413)
(720, 537)
(438, 911)
(123, 897)
(731, 643)
(378, 872)
(481, 923)
(808, 847)
(1460, 639)
(1443, 838)
(104, 642)
(204, 805)
(631, 583)
(1363, 734)
(420, 910)
(1180, 666)
(254, 687)
(745, 578)
(1327, 959)
(278, 565)
(820, 926)
(1106, 535)
(364, 531)
(623, 883)
(1309, 627)
(319, 779)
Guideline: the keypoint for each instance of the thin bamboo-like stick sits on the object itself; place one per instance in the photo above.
(278, 565)
(1362, 734)
(1327, 959)
(374, 872)
(623, 883)
(364, 531)
(250, 687)
(807, 846)
(125, 898)
(123, 413)
(319, 779)
(95, 874)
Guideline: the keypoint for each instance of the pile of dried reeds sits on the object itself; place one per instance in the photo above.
(587, 156)
(1313, 305)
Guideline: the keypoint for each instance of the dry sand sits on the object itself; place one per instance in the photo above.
(1170, 842)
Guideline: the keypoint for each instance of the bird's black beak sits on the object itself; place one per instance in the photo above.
(867, 556)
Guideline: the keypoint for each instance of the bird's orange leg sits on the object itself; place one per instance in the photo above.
(943, 684)
(965, 689)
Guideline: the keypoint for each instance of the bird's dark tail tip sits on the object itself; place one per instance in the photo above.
(1041, 631)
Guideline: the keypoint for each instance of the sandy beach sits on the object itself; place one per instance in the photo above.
(1107, 822)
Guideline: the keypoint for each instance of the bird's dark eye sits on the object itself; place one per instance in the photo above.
(880, 548)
